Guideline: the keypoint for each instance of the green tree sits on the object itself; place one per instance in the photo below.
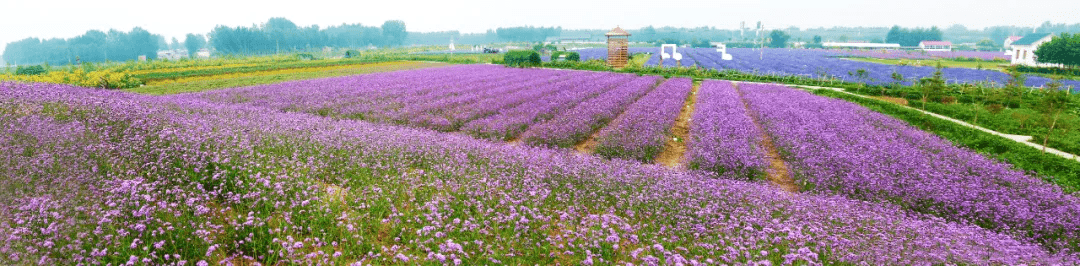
(1053, 103)
(394, 32)
(897, 80)
(1064, 49)
(1013, 93)
(817, 38)
(194, 42)
(932, 88)
(648, 34)
(778, 39)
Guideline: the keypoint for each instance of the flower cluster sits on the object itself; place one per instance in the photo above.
(640, 132)
(723, 137)
(840, 147)
(575, 125)
(244, 176)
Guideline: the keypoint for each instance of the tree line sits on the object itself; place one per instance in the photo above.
(280, 34)
(92, 46)
(912, 37)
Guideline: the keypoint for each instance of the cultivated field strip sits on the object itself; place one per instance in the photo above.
(834, 146)
(508, 123)
(723, 137)
(822, 64)
(576, 124)
(448, 113)
(640, 132)
(96, 176)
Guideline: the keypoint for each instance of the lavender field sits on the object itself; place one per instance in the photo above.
(825, 64)
(424, 167)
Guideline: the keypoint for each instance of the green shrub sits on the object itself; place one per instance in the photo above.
(569, 56)
(305, 56)
(352, 53)
(30, 70)
(522, 58)
(573, 56)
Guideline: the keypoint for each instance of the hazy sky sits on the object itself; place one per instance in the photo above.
(56, 18)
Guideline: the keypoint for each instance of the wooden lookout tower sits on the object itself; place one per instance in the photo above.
(618, 42)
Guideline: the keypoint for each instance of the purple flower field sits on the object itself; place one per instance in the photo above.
(723, 138)
(640, 132)
(840, 147)
(576, 124)
(825, 64)
(360, 170)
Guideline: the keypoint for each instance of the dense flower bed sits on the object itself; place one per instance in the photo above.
(723, 137)
(839, 147)
(576, 124)
(107, 177)
(640, 132)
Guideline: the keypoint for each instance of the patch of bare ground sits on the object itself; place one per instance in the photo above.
(778, 173)
(900, 101)
(674, 148)
(516, 141)
(588, 146)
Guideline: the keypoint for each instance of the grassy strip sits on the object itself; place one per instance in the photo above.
(988, 65)
(1055, 169)
(270, 77)
(1017, 121)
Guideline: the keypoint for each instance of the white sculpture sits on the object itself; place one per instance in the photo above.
(674, 53)
(722, 49)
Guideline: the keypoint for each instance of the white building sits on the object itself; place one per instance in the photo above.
(172, 54)
(1023, 50)
(202, 53)
(935, 46)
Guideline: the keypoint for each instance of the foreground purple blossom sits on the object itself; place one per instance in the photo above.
(640, 132)
(105, 177)
(839, 147)
(723, 138)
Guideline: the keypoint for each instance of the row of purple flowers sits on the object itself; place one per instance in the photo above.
(641, 131)
(723, 137)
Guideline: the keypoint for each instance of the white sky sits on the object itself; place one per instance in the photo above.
(62, 18)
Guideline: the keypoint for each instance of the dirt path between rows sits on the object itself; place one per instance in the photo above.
(675, 147)
(778, 173)
(588, 145)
